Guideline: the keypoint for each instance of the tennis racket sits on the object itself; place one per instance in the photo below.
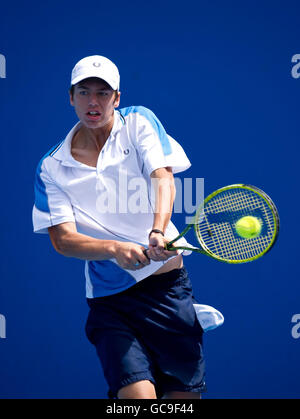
(215, 219)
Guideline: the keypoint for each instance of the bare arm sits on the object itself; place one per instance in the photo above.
(164, 186)
(68, 242)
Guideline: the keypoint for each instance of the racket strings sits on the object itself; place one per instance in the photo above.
(219, 236)
(226, 248)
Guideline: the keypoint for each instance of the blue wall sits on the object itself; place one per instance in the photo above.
(218, 75)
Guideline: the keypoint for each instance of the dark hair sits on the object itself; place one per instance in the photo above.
(72, 87)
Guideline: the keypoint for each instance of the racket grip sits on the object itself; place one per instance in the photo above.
(168, 246)
(145, 253)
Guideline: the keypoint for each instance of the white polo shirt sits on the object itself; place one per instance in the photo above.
(113, 201)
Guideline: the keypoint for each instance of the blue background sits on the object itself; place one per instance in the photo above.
(218, 76)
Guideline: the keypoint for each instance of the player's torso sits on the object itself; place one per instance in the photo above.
(114, 191)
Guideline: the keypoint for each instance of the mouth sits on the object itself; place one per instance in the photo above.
(93, 115)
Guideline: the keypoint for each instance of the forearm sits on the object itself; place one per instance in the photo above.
(77, 245)
(68, 242)
(164, 199)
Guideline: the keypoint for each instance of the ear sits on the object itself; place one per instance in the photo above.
(71, 100)
(117, 100)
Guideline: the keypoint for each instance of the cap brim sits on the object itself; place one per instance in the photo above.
(91, 74)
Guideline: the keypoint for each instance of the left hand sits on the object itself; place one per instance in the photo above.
(156, 250)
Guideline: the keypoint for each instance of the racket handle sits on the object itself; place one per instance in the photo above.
(145, 253)
(168, 246)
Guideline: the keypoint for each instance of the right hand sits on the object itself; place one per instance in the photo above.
(157, 250)
(130, 256)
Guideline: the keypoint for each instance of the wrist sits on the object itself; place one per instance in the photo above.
(113, 249)
(157, 231)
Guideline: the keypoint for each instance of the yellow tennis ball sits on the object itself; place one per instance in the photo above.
(248, 227)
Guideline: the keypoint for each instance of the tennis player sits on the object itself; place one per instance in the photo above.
(105, 195)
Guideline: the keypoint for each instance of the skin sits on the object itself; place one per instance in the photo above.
(95, 95)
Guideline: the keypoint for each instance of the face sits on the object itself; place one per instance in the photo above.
(94, 102)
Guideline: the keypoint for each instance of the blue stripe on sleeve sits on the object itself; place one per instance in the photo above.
(156, 124)
(41, 198)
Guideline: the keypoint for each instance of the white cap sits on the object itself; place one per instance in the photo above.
(96, 66)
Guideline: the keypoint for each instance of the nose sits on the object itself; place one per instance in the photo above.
(93, 99)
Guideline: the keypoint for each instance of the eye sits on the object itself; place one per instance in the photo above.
(103, 93)
(83, 92)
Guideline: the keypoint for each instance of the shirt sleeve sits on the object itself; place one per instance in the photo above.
(52, 206)
(155, 147)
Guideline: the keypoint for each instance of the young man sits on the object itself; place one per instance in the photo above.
(105, 195)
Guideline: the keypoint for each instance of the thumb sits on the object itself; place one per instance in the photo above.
(158, 250)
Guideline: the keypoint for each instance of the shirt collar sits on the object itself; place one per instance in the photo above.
(63, 153)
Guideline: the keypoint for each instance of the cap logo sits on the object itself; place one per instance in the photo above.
(96, 64)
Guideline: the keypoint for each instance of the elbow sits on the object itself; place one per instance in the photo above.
(60, 245)
(63, 238)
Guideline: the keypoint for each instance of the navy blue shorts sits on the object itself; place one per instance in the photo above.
(149, 332)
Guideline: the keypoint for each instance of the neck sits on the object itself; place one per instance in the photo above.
(95, 138)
